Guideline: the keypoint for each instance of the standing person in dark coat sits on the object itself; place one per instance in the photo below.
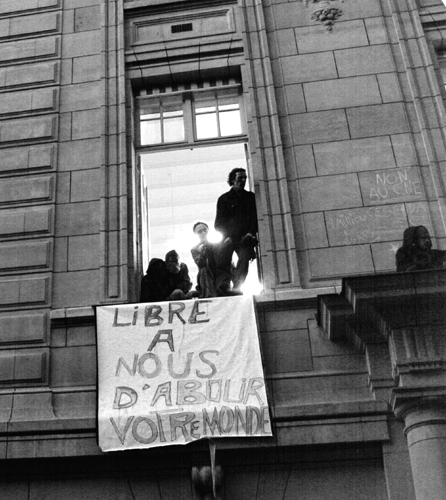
(417, 253)
(236, 220)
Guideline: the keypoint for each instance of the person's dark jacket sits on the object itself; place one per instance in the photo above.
(155, 284)
(180, 280)
(236, 215)
(158, 283)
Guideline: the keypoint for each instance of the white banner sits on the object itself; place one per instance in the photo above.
(173, 372)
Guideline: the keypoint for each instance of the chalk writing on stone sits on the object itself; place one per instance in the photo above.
(374, 224)
(393, 185)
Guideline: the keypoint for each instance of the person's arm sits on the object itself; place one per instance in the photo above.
(221, 218)
(184, 282)
(199, 255)
(404, 262)
(254, 225)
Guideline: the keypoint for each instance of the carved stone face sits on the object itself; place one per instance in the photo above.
(423, 239)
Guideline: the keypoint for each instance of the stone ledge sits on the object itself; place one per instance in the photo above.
(330, 410)
(334, 430)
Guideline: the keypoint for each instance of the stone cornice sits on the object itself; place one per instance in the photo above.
(403, 311)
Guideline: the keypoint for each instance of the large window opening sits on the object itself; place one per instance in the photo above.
(190, 137)
(180, 187)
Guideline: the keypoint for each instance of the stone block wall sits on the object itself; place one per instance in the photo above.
(30, 53)
(50, 159)
(361, 130)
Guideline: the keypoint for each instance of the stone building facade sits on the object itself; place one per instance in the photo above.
(342, 131)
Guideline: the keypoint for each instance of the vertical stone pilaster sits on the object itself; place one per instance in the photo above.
(278, 244)
(114, 173)
(423, 99)
(425, 429)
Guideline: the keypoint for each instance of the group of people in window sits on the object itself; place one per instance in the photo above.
(236, 220)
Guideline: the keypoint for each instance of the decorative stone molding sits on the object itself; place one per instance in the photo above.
(405, 311)
(326, 13)
(417, 350)
(398, 321)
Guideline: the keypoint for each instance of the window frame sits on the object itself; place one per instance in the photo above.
(190, 132)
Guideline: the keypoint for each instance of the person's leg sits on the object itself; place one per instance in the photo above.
(242, 267)
(223, 272)
(177, 295)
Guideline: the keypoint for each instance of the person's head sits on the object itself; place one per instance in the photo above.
(237, 178)
(172, 260)
(416, 238)
(156, 267)
(201, 229)
(423, 239)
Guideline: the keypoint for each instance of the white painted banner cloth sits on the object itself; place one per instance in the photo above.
(173, 372)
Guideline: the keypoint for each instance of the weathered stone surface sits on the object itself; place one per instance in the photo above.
(25, 291)
(419, 213)
(39, 220)
(354, 155)
(29, 189)
(329, 193)
(25, 255)
(43, 74)
(384, 254)
(366, 225)
(79, 97)
(364, 60)
(31, 25)
(341, 261)
(286, 351)
(389, 87)
(86, 69)
(315, 230)
(342, 93)
(376, 31)
(384, 119)
(77, 218)
(23, 327)
(86, 124)
(71, 366)
(12, 6)
(17, 159)
(29, 366)
(346, 34)
(83, 252)
(404, 150)
(28, 101)
(78, 155)
(80, 288)
(323, 126)
(29, 49)
(391, 186)
(87, 18)
(29, 129)
(308, 68)
(85, 43)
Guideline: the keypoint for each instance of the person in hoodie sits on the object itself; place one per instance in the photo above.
(155, 284)
(166, 280)
(417, 253)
